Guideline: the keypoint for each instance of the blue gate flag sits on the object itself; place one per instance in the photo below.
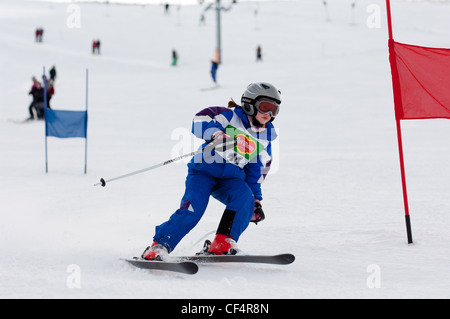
(64, 124)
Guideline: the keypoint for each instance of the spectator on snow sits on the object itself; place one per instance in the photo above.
(174, 58)
(32, 93)
(98, 46)
(258, 54)
(52, 74)
(202, 19)
(50, 91)
(37, 91)
(38, 34)
(41, 34)
(94, 46)
(214, 67)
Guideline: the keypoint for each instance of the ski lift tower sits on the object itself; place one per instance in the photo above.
(219, 44)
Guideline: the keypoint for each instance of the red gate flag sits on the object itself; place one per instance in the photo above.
(421, 86)
(423, 81)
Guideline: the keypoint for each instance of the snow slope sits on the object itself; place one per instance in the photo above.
(334, 197)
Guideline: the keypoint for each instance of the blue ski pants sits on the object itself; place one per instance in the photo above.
(234, 193)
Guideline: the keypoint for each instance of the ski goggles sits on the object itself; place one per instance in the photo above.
(266, 106)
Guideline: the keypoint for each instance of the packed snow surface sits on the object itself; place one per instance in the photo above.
(334, 195)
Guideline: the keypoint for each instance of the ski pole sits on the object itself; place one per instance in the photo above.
(207, 148)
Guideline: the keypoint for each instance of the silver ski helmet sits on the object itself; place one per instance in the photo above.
(256, 91)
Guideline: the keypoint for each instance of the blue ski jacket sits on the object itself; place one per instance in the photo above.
(251, 157)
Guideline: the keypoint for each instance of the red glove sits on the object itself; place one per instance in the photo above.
(258, 213)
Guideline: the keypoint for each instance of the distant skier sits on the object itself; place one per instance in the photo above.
(50, 91)
(37, 91)
(32, 92)
(98, 46)
(232, 172)
(174, 58)
(202, 20)
(214, 67)
(52, 73)
(38, 34)
(258, 53)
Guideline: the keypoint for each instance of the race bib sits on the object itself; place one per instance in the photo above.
(246, 148)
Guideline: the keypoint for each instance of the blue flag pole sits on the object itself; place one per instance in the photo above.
(85, 140)
(46, 126)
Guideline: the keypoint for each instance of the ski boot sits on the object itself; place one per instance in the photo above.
(155, 252)
(222, 245)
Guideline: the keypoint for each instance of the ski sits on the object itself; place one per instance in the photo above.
(281, 259)
(185, 267)
(188, 264)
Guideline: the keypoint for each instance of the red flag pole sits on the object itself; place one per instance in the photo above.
(405, 195)
(398, 117)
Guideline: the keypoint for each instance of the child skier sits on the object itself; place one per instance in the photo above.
(232, 172)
